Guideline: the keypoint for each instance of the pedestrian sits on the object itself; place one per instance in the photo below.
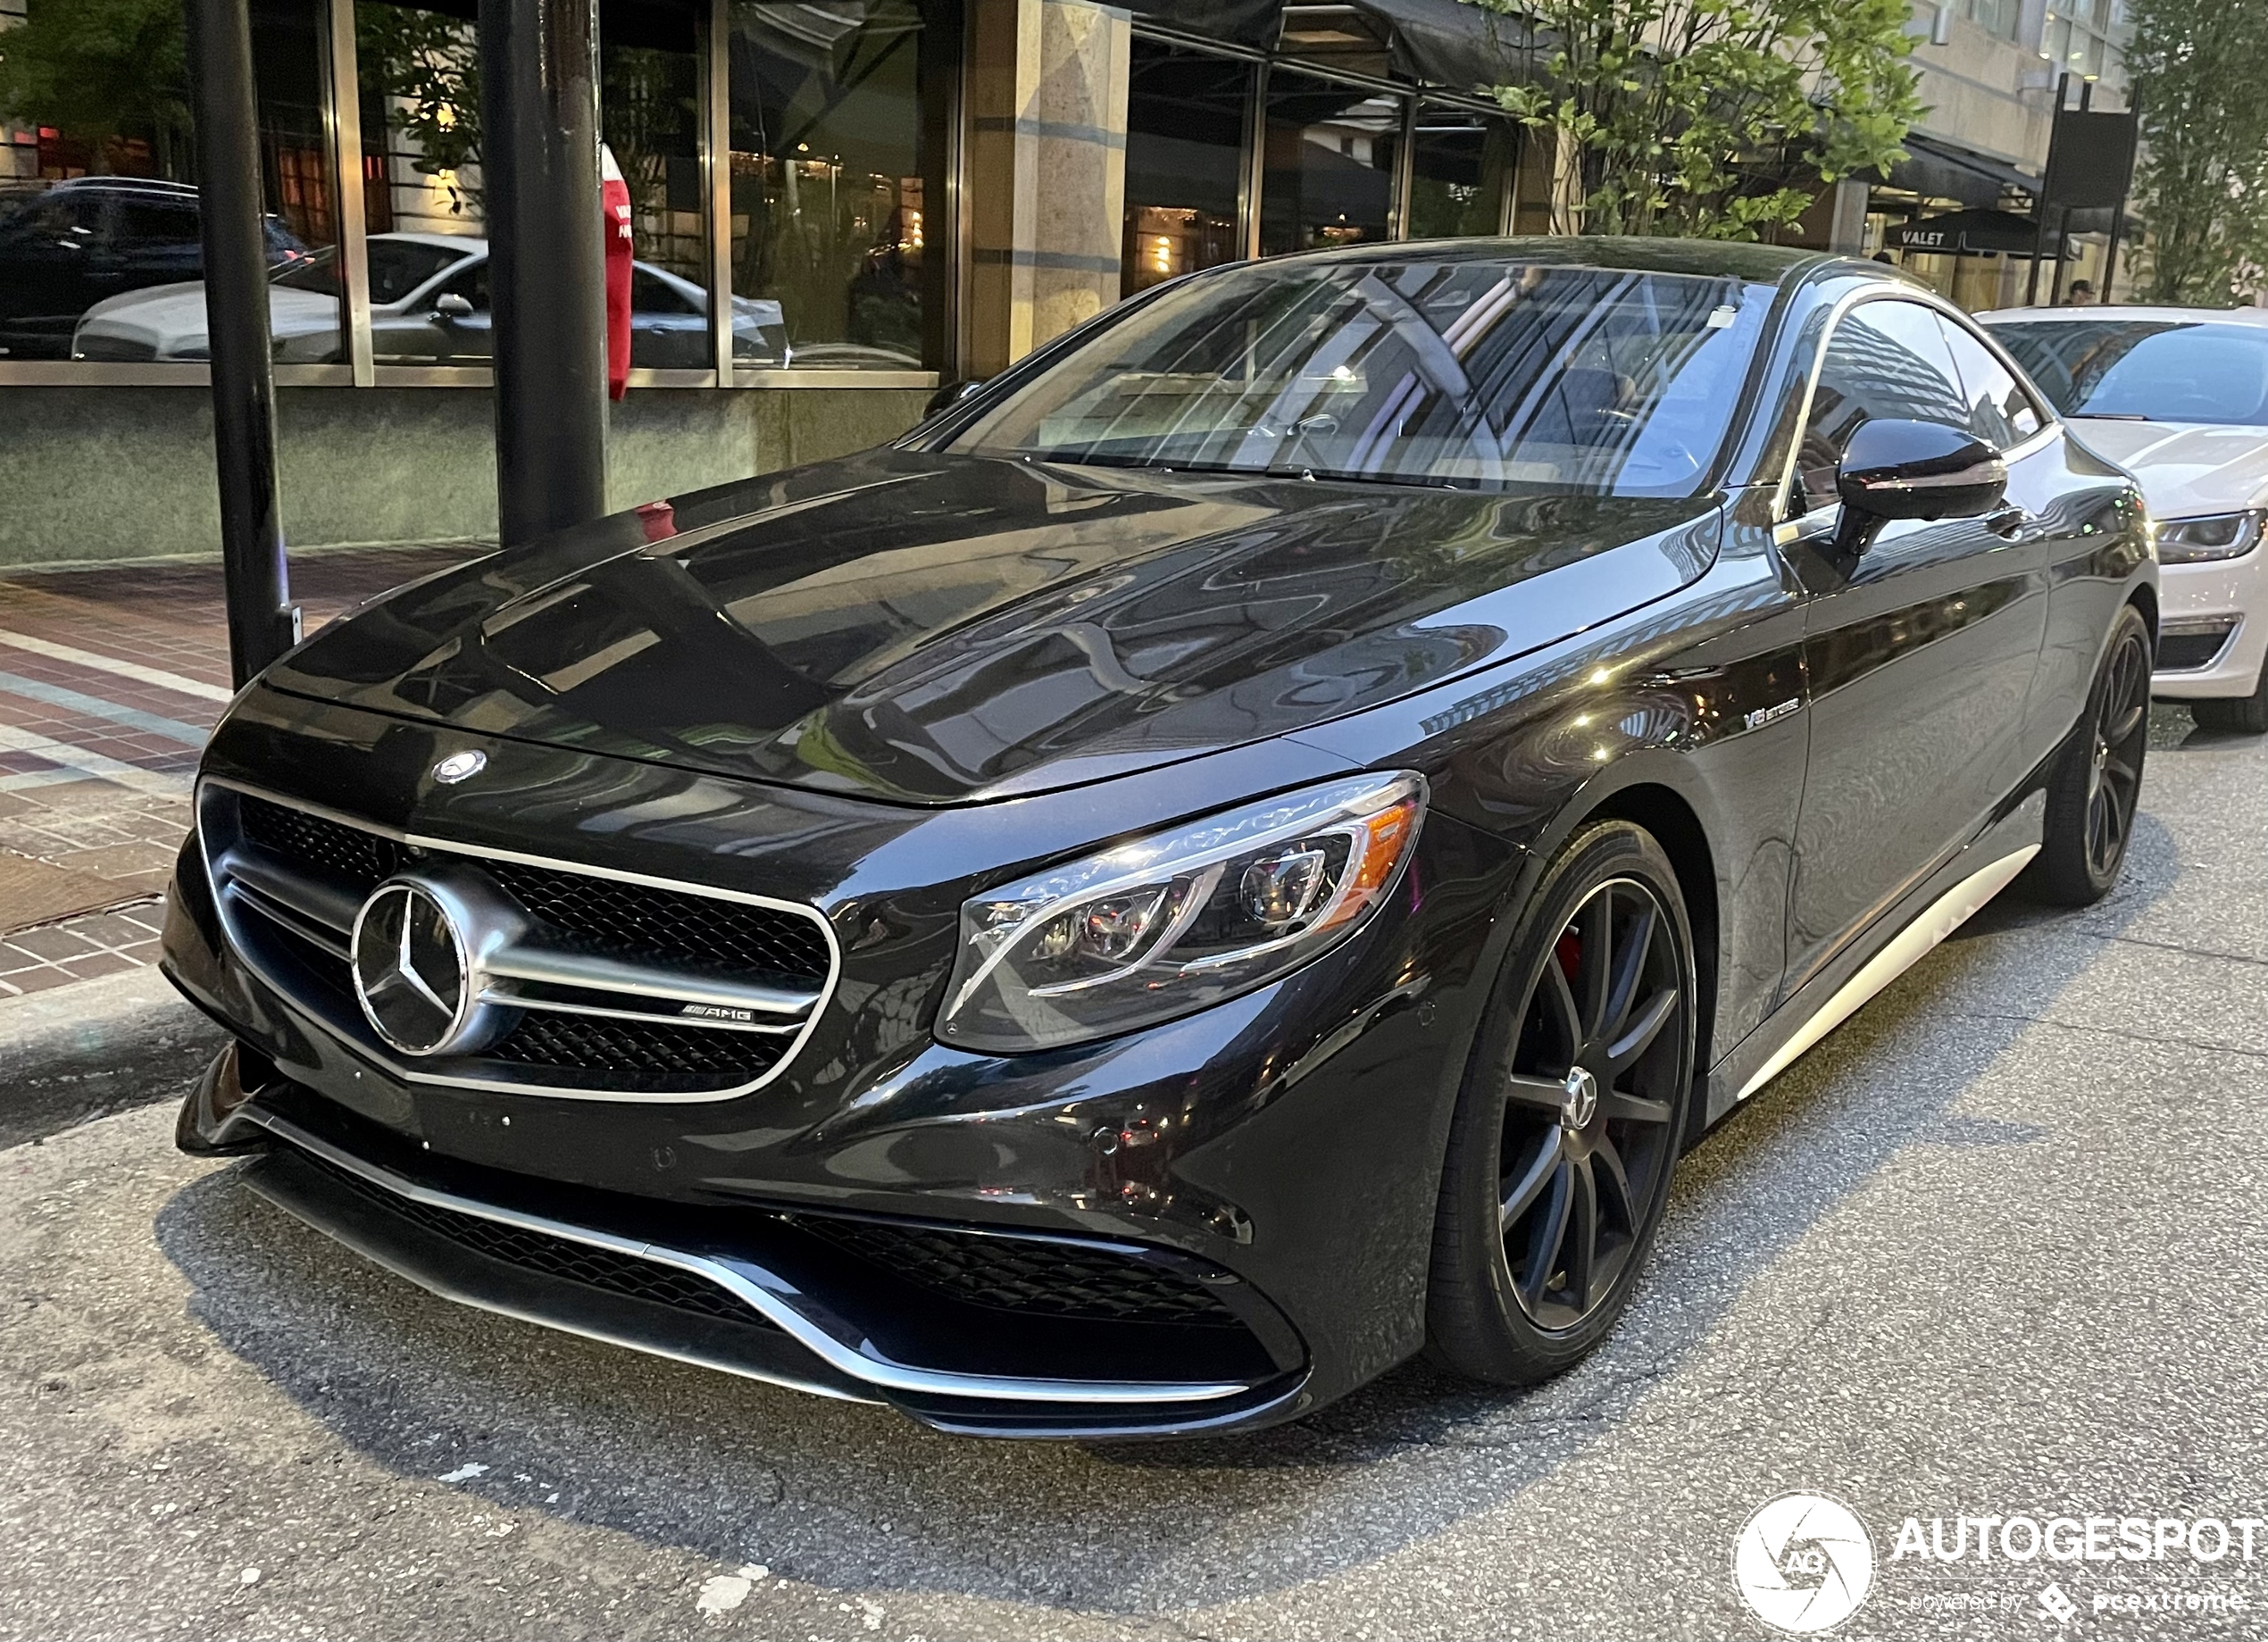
(2081, 294)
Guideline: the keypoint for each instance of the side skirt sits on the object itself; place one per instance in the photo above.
(1902, 939)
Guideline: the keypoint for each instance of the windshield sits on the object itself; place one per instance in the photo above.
(2159, 371)
(1484, 374)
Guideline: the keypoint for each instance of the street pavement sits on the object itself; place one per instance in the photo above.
(1994, 1250)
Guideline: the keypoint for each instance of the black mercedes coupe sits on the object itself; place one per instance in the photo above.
(1238, 851)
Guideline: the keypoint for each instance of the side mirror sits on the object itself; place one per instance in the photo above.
(1904, 469)
(951, 395)
(450, 306)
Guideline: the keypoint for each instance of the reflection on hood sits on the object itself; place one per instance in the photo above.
(931, 630)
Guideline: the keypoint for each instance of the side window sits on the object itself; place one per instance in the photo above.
(1885, 359)
(651, 294)
(154, 225)
(472, 284)
(2001, 410)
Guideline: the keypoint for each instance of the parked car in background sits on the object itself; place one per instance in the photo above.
(1244, 849)
(2179, 398)
(90, 240)
(429, 305)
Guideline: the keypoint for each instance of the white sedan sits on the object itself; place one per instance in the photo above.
(2179, 398)
(429, 305)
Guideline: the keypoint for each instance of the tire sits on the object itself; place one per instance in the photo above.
(1516, 1294)
(2235, 715)
(2096, 781)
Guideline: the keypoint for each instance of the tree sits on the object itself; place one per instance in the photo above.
(428, 67)
(2202, 180)
(105, 73)
(1695, 116)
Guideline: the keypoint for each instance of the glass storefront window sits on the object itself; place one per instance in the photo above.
(422, 188)
(1185, 115)
(1461, 163)
(1328, 176)
(828, 196)
(101, 255)
(649, 113)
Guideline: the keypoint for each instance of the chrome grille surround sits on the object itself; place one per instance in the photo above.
(290, 926)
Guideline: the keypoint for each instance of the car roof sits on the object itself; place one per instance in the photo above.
(463, 245)
(111, 184)
(1721, 258)
(2127, 311)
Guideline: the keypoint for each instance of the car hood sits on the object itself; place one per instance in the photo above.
(2185, 468)
(939, 630)
(172, 315)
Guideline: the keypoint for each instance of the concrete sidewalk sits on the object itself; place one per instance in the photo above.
(110, 679)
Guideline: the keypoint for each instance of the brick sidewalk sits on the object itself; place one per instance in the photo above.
(110, 679)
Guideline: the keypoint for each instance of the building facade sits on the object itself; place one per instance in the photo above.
(1991, 71)
(837, 205)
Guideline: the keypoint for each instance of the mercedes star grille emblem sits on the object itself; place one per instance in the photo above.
(460, 767)
(412, 973)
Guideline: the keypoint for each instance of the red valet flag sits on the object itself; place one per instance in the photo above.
(614, 202)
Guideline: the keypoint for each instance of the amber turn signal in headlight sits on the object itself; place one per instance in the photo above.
(1156, 928)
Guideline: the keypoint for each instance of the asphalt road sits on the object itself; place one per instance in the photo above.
(1994, 1249)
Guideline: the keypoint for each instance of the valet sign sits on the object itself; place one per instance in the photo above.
(1805, 1562)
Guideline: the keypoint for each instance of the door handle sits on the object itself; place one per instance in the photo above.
(2013, 522)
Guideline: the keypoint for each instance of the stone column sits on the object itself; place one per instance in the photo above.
(1045, 177)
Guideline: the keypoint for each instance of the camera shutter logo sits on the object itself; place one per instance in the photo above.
(1804, 1562)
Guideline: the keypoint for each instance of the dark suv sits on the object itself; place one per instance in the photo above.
(64, 250)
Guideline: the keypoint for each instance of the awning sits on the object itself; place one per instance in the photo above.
(1970, 232)
(1447, 43)
(1939, 170)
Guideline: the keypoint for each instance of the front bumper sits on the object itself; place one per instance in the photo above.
(1238, 1205)
(2212, 628)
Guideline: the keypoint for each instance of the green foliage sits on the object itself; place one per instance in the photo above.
(100, 71)
(428, 67)
(2202, 180)
(1691, 116)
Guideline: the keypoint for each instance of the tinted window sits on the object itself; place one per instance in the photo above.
(2001, 412)
(651, 294)
(472, 285)
(399, 266)
(1479, 373)
(1885, 359)
(1184, 162)
(829, 192)
(1330, 151)
(1460, 169)
(154, 224)
(2175, 370)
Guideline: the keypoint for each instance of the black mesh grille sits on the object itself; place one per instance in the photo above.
(683, 929)
(2182, 652)
(1018, 1274)
(552, 1256)
(331, 847)
(591, 1043)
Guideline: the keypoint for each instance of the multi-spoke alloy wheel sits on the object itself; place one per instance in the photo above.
(1574, 1109)
(2115, 767)
(1591, 1095)
(2095, 785)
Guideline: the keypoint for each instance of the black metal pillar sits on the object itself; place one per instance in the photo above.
(546, 258)
(262, 624)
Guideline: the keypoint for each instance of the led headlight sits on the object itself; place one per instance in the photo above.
(1147, 930)
(2210, 535)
